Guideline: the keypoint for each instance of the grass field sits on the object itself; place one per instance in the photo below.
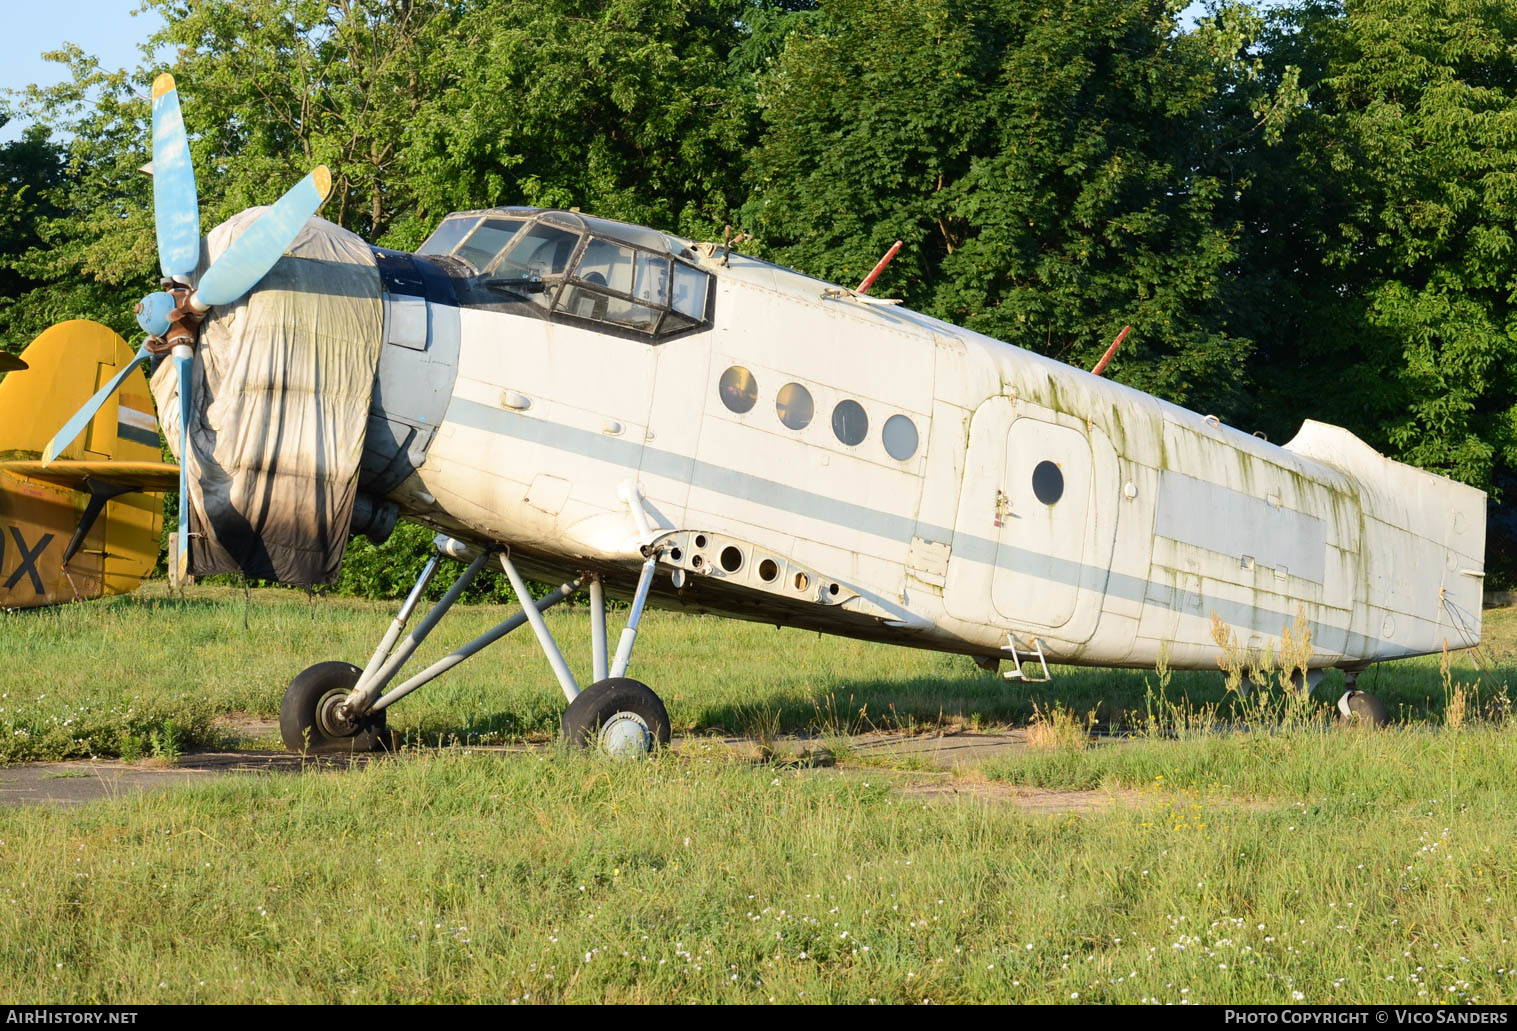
(1314, 864)
(105, 677)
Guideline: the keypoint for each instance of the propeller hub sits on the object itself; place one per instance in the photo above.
(155, 313)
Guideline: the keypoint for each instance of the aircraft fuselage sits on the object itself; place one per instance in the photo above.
(882, 474)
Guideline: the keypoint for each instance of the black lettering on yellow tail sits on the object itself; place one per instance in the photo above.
(26, 565)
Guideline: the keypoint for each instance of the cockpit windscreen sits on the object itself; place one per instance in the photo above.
(489, 238)
(447, 235)
(566, 264)
(543, 251)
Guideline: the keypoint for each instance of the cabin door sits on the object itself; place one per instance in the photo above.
(1040, 553)
(1030, 551)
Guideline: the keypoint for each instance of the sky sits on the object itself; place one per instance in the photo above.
(105, 28)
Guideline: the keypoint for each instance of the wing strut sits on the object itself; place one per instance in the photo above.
(101, 492)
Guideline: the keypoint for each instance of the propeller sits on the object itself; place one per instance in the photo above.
(171, 317)
(176, 205)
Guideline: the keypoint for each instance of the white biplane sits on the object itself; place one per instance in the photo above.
(621, 411)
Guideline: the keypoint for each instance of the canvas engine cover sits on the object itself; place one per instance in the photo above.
(282, 383)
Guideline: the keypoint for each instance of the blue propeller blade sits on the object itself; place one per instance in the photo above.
(82, 417)
(176, 208)
(252, 254)
(182, 555)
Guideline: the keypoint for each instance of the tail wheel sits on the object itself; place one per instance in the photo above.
(1363, 707)
(310, 717)
(619, 716)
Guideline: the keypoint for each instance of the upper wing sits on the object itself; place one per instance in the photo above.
(149, 477)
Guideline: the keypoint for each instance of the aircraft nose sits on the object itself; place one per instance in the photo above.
(283, 381)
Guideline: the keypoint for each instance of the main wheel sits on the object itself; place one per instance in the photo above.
(1363, 707)
(308, 718)
(619, 716)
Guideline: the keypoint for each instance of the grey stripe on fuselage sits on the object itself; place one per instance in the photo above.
(892, 527)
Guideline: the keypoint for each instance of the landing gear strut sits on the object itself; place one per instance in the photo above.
(335, 706)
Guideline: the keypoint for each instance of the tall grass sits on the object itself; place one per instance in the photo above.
(450, 877)
(102, 678)
(1308, 863)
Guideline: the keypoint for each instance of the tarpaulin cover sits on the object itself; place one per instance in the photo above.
(282, 384)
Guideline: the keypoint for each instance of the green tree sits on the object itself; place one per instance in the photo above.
(1422, 106)
(270, 88)
(1056, 170)
(621, 107)
(418, 107)
(33, 173)
(1305, 316)
(29, 168)
(1413, 121)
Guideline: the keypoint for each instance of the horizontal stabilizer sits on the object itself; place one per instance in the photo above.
(148, 477)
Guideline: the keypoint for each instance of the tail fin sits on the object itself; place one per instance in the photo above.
(53, 546)
(68, 363)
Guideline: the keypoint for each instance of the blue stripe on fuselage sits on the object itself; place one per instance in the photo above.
(887, 525)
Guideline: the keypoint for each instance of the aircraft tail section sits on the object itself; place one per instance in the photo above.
(66, 364)
(79, 527)
(1421, 553)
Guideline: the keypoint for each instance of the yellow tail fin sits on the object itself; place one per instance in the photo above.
(40, 514)
(67, 364)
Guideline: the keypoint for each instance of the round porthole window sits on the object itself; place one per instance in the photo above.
(900, 437)
(739, 389)
(795, 406)
(849, 423)
(1047, 483)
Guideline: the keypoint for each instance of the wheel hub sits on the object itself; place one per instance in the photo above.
(332, 717)
(625, 735)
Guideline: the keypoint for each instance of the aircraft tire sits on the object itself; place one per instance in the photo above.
(300, 726)
(1364, 708)
(613, 714)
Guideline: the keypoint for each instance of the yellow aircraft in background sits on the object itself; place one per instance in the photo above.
(89, 523)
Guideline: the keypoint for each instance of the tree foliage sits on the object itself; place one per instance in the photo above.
(1056, 170)
(1412, 137)
(34, 290)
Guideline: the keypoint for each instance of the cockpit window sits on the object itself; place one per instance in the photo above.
(585, 302)
(542, 251)
(652, 283)
(534, 264)
(489, 238)
(446, 236)
(690, 291)
(606, 264)
(623, 277)
(604, 283)
(629, 287)
(626, 271)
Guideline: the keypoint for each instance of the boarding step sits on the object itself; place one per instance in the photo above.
(1035, 650)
